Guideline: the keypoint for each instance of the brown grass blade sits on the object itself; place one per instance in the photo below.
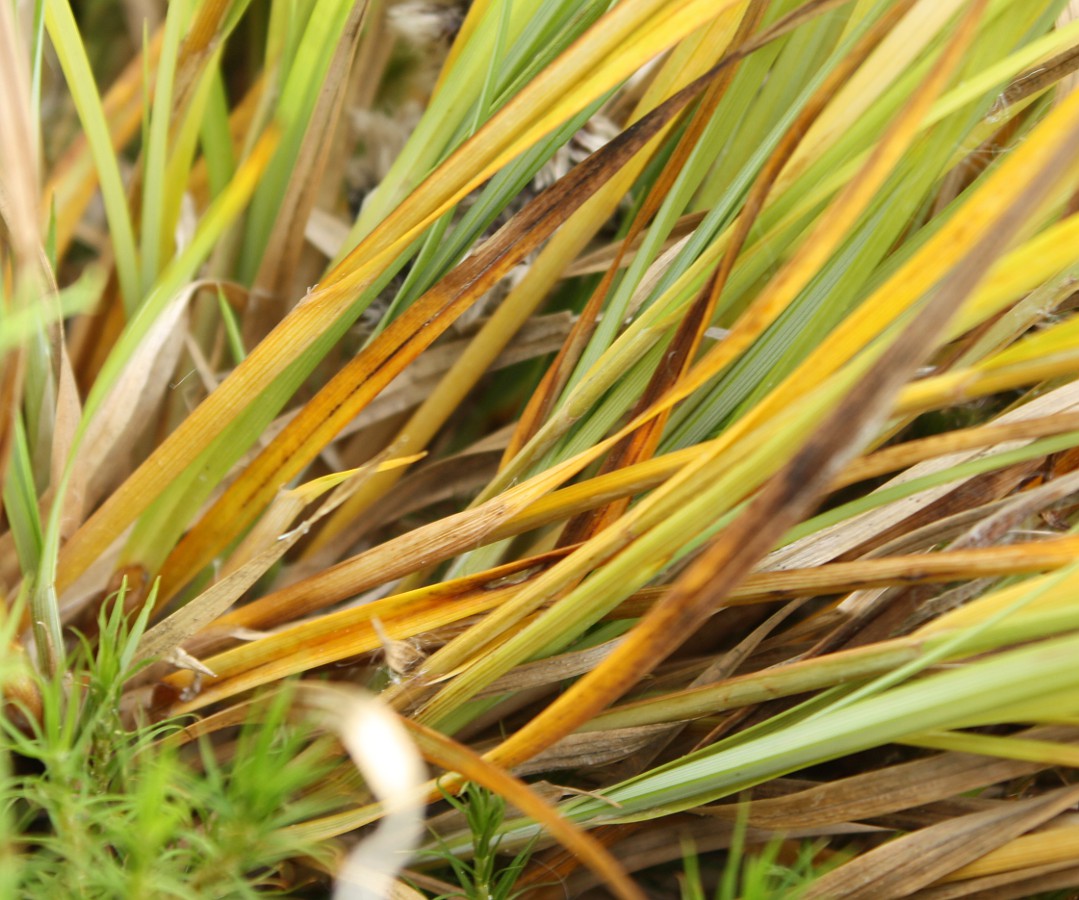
(871, 795)
(280, 259)
(1017, 884)
(260, 549)
(106, 454)
(954, 565)
(917, 860)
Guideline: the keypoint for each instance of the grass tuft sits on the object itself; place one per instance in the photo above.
(650, 403)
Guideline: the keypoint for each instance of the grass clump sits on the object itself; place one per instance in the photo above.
(623, 406)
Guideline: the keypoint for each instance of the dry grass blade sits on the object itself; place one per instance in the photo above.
(345, 633)
(282, 255)
(105, 454)
(19, 202)
(881, 792)
(845, 538)
(952, 565)
(263, 546)
(890, 871)
(1014, 885)
(1051, 846)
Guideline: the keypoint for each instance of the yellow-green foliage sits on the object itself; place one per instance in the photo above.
(669, 395)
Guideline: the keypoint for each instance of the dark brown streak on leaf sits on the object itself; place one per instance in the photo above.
(1043, 76)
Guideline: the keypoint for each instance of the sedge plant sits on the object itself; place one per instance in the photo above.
(666, 409)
